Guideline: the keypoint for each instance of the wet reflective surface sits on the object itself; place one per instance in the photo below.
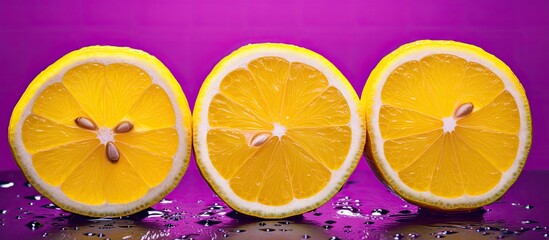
(363, 209)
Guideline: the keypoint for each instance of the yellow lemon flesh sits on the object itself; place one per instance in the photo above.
(104, 131)
(278, 130)
(449, 124)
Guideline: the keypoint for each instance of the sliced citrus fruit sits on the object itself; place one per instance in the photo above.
(278, 130)
(449, 124)
(104, 131)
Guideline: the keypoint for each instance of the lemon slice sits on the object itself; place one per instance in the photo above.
(104, 131)
(449, 124)
(277, 130)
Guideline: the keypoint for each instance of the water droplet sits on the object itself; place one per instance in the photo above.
(188, 236)
(379, 212)
(536, 228)
(446, 232)
(208, 223)
(154, 213)
(369, 223)
(528, 221)
(405, 211)
(285, 230)
(27, 184)
(169, 225)
(125, 226)
(34, 197)
(45, 235)
(327, 227)
(440, 236)
(335, 238)
(34, 225)
(4, 211)
(413, 235)
(305, 236)
(226, 235)
(262, 224)
(238, 230)
(546, 235)
(330, 222)
(277, 225)
(347, 226)
(166, 201)
(528, 206)
(267, 229)
(317, 213)
(206, 214)
(398, 236)
(18, 217)
(348, 208)
(51, 206)
(101, 235)
(4, 184)
(285, 222)
(214, 206)
(89, 234)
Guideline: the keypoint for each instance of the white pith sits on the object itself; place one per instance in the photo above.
(278, 130)
(105, 135)
(449, 125)
(292, 56)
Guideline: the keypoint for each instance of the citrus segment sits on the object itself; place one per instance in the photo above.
(271, 74)
(308, 175)
(226, 113)
(236, 86)
(398, 122)
(304, 85)
(54, 165)
(329, 141)
(162, 142)
(228, 146)
(277, 130)
(57, 104)
(402, 152)
(104, 131)
(328, 109)
(498, 148)
(449, 124)
(247, 183)
(153, 110)
(503, 109)
(41, 134)
(152, 168)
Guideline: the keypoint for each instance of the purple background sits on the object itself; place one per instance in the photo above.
(191, 37)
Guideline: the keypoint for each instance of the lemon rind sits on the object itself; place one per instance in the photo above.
(104, 54)
(210, 87)
(376, 157)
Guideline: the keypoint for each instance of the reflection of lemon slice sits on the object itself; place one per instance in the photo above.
(449, 124)
(104, 131)
(278, 130)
